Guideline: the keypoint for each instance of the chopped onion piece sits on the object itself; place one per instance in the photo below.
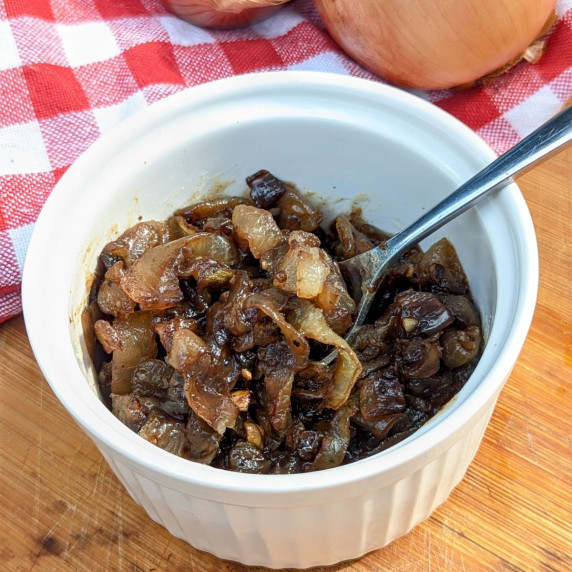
(257, 228)
(335, 442)
(207, 394)
(137, 240)
(213, 246)
(107, 336)
(297, 342)
(153, 280)
(311, 322)
(304, 268)
(137, 342)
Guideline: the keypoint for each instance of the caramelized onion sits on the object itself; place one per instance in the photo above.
(336, 439)
(435, 44)
(137, 342)
(137, 240)
(305, 266)
(213, 323)
(153, 280)
(258, 228)
(352, 241)
(111, 298)
(165, 432)
(276, 363)
(419, 357)
(221, 206)
(203, 441)
(245, 457)
(207, 384)
(265, 189)
(460, 346)
(298, 343)
(107, 336)
(297, 213)
(311, 322)
(381, 395)
(336, 303)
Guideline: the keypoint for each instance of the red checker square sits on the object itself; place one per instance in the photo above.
(54, 90)
(59, 173)
(9, 271)
(153, 62)
(22, 198)
(10, 305)
(558, 55)
(106, 83)
(512, 88)
(80, 11)
(36, 8)
(15, 103)
(251, 55)
(561, 86)
(68, 135)
(121, 8)
(473, 107)
(499, 134)
(202, 63)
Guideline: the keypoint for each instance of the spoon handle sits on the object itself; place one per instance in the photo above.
(370, 266)
(541, 143)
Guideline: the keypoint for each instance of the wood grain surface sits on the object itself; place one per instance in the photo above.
(62, 508)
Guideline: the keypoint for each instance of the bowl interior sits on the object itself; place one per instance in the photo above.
(348, 142)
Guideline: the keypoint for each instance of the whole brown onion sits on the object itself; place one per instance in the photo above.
(435, 44)
(223, 13)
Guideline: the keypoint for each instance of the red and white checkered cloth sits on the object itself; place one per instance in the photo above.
(72, 69)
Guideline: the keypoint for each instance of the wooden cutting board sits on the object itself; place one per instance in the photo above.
(61, 507)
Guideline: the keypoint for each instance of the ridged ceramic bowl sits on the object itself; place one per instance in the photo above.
(349, 141)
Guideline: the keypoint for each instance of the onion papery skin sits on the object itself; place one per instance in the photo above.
(434, 44)
(223, 14)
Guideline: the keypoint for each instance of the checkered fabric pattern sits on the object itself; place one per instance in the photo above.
(72, 69)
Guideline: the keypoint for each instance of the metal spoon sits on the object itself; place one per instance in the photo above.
(366, 270)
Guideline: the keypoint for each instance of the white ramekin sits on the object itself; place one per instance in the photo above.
(350, 142)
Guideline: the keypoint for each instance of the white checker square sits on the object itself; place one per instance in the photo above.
(109, 117)
(536, 109)
(20, 237)
(87, 43)
(22, 150)
(280, 24)
(9, 56)
(562, 6)
(182, 33)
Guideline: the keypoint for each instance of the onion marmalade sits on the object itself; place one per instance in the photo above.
(213, 323)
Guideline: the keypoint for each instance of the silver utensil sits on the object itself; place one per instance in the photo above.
(366, 270)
